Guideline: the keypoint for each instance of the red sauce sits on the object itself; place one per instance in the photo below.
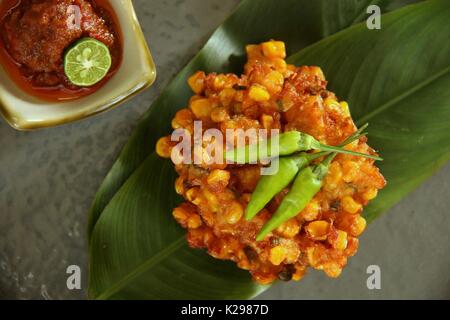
(40, 73)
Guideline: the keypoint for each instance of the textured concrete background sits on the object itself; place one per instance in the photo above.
(48, 179)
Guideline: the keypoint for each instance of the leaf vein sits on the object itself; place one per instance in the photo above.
(145, 266)
(403, 96)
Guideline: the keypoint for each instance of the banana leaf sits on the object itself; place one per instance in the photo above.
(396, 77)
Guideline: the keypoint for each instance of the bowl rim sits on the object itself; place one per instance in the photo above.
(18, 123)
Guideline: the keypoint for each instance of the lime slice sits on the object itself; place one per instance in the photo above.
(87, 62)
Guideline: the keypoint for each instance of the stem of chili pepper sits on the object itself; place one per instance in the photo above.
(323, 147)
(355, 136)
(288, 167)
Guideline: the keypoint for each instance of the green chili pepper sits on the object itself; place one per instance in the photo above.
(269, 186)
(289, 142)
(306, 185)
(288, 167)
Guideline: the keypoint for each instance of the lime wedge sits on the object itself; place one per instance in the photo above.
(87, 62)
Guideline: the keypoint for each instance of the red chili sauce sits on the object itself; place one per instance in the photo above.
(34, 35)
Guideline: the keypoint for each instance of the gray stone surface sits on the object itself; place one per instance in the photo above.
(48, 179)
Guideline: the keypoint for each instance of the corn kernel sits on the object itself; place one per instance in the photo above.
(252, 50)
(274, 49)
(275, 77)
(292, 253)
(332, 269)
(192, 195)
(318, 230)
(258, 93)
(194, 221)
(352, 246)
(299, 273)
(182, 119)
(234, 213)
(274, 81)
(358, 226)
(195, 97)
(211, 200)
(334, 177)
(350, 171)
(219, 178)
(179, 186)
(175, 124)
(220, 81)
(277, 255)
(201, 108)
(345, 108)
(197, 82)
(226, 96)
(280, 65)
(331, 103)
(350, 205)
(267, 121)
(370, 194)
(289, 229)
(219, 114)
(341, 241)
(164, 148)
(180, 215)
(313, 256)
(311, 212)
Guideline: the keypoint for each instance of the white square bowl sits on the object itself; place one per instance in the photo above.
(136, 72)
